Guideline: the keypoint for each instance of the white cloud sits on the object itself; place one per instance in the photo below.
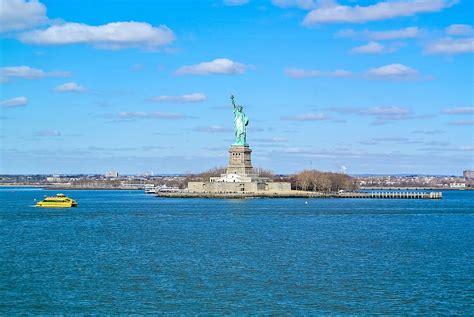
(218, 66)
(379, 113)
(213, 129)
(459, 110)
(26, 72)
(196, 97)
(22, 72)
(348, 33)
(369, 48)
(14, 102)
(48, 132)
(394, 72)
(437, 143)
(450, 46)
(462, 123)
(406, 33)
(306, 117)
(429, 132)
(379, 11)
(386, 112)
(271, 140)
(459, 29)
(69, 87)
(235, 2)
(151, 115)
(114, 35)
(19, 15)
(390, 139)
(303, 73)
(302, 4)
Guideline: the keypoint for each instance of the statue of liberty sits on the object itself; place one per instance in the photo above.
(240, 123)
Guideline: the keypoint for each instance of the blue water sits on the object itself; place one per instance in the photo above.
(126, 252)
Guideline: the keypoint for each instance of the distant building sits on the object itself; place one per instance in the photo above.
(53, 179)
(112, 174)
(468, 174)
(457, 185)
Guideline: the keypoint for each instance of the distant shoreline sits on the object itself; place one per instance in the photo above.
(53, 187)
(67, 187)
(413, 188)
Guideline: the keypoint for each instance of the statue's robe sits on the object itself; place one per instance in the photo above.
(240, 123)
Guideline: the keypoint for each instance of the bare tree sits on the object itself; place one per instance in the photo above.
(304, 179)
(263, 172)
(314, 180)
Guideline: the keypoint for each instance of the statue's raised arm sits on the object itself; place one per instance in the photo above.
(233, 102)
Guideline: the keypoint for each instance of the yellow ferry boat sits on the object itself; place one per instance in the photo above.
(58, 201)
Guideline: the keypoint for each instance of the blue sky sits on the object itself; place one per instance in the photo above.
(143, 86)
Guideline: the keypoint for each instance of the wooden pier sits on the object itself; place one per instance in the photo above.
(304, 194)
(393, 195)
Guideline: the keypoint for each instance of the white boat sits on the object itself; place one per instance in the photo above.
(150, 189)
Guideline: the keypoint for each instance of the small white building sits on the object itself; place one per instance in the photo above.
(457, 185)
(228, 178)
(53, 179)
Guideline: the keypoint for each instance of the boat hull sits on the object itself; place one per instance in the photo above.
(58, 201)
(55, 205)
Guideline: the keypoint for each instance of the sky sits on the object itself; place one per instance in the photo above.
(362, 87)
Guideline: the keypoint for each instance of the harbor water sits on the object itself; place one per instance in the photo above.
(124, 252)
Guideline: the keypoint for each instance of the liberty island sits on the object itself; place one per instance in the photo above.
(242, 180)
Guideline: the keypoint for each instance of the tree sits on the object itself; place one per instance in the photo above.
(304, 179)
(263, 172)
(314, 180)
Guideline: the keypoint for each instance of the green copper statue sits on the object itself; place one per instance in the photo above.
(240, 123)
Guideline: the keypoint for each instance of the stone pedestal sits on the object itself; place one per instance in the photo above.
(240, 161)
(239, 179)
